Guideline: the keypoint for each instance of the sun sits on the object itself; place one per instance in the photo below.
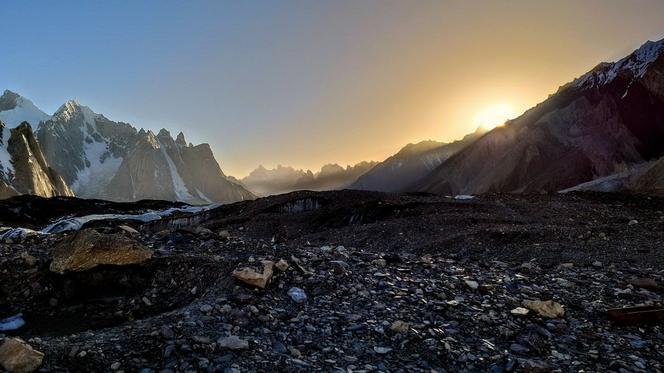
(494, 116)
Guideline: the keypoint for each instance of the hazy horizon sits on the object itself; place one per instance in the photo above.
(314, 82)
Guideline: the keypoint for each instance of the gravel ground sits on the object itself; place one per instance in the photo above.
(394, 283)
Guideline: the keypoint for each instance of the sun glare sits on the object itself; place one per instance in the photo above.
(494, 116)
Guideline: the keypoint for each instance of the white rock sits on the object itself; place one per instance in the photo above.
(472, 284)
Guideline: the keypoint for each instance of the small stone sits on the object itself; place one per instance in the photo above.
(534, 366)
(252, 277)
(19, 357)
(519, 349)
(167, 332)
(128, 229)
(382, 350)
(279, 347)
(297, 294)
(472, 284)
(597, 264)
(201, 340)
(379, 262)
(28, 259)
(233, 343)
(339, 267)
(206, 308)
(116, 365)
(400, 326)
(146, 301)
(282, 265)
(548, 309)
(295, 352)
(633, 222)
(224, 234)
(520, 311)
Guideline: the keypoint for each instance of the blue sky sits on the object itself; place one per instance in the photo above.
(309, 82)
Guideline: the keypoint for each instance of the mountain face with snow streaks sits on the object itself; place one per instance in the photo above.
(23, 167)
(99, 158)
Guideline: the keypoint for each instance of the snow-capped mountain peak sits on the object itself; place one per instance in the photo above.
(15, 109)
(79, 149)
(72, 108)
(635, 66)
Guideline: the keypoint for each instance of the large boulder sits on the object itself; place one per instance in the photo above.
(19, 357)
(89, 248)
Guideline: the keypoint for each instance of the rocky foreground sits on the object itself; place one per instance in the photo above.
(339, 281)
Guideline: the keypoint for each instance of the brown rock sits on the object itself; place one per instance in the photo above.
(548, 309)
(19, 357)
(646, 283)
(252, 277)
(89, 248)
(400, 326)
(282, 265)
(28, 259)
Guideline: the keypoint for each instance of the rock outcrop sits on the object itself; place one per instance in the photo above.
(23, 167)
(19, 357)
(88, 249)
(158, 167)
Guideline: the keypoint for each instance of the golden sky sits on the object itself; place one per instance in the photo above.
(433, 67)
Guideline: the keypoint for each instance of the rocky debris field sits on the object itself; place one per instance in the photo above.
(343, 281)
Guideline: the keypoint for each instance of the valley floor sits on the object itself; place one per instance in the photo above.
(397, 283)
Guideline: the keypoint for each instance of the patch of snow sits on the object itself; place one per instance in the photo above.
(181, 191)
(463, 196)
(75, 223)
(17, 234)
(92, 178)
(6, 166)
(203, 196)
(103, 166)
(24, 110)
(12, 323)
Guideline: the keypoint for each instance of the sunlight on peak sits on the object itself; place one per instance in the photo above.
(494, 116)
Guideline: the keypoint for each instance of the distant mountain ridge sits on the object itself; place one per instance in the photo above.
(601, 123)
(100, 158)
(410, 164)
(284, 179)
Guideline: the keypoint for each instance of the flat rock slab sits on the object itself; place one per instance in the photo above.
(19, 357)
(88, 249)
(548, 309)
